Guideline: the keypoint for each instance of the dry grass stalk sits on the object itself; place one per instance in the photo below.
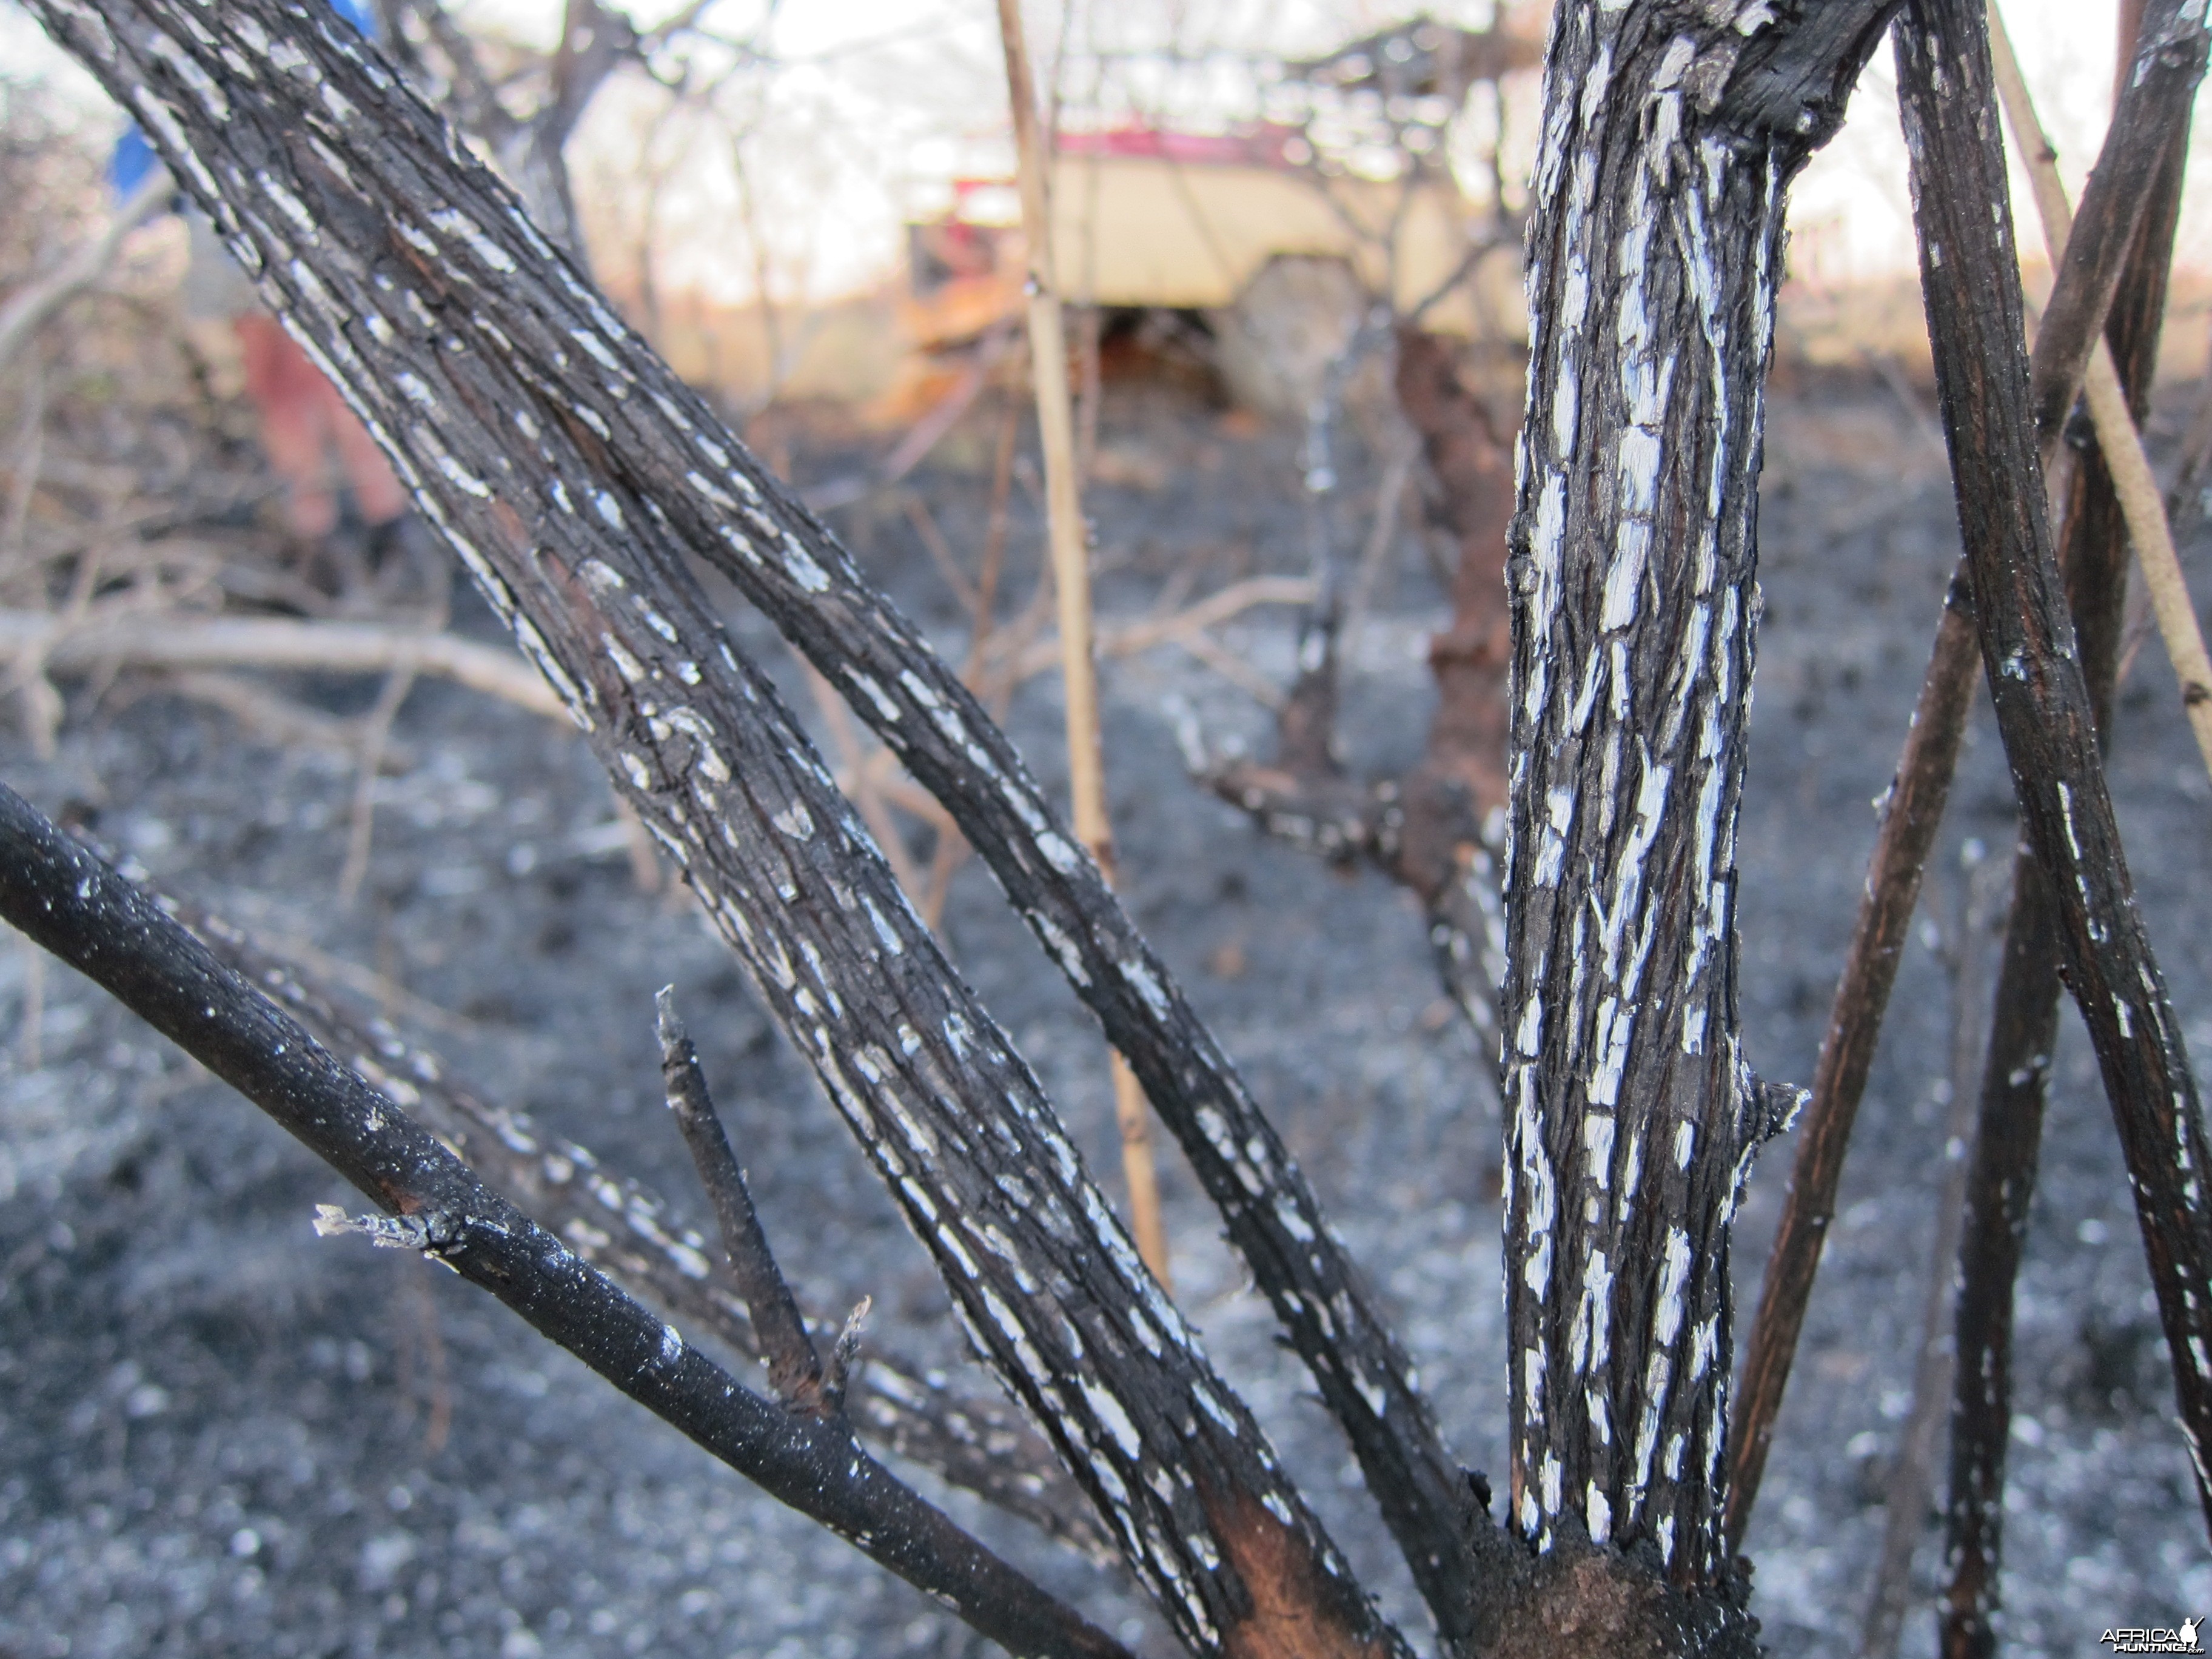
(2141, 502)
(1070, 561)
(156, 637)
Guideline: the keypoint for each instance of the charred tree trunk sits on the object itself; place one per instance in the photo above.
(1668, 139)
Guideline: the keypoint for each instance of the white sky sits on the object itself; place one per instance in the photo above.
(881, 102)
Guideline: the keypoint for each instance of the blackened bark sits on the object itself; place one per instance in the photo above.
(794, 1370)
(2045, 713)
(575, 475)
(2025, 1025)
(2085, 285)
(71, 903)
(1654, 256)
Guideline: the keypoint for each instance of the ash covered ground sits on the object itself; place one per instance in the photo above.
(220, 1435)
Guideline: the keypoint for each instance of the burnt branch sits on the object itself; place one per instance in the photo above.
(577, 478)
(629, 1231)
(78, 909)
(2045, 713)
(794, 1370)
(1425, 830)
(1912, 811)
(1912, 815)
(2011, 1098)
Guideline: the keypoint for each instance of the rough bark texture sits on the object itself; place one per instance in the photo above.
(575, 476)
(74, 905)
(2001, 1181)
(2045, 712)
(1669, 137)
(2151, 116)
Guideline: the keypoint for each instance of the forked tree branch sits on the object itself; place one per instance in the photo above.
(575, 475)
(72, 904)
(1969, 279)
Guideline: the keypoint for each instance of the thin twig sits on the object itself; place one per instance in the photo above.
(1912, 1468)
(1912, 810)
(151, 639)
(627, 1231)
(794, 1371)
(375, 731)
(1180, 627)
(29, 308)
(940, 554)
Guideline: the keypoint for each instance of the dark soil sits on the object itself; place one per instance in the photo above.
(220, 1435)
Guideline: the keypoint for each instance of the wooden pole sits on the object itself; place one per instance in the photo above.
(1072, 581)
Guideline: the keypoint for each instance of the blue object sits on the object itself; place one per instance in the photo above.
(131, 163)
(133, 158)
(358, 13)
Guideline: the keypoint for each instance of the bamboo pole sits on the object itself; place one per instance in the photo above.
(1072, 581)
(2143, 504)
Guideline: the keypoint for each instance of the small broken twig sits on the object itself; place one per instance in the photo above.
(794, 1370)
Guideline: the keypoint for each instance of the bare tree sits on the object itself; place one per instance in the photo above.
(579, 480)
